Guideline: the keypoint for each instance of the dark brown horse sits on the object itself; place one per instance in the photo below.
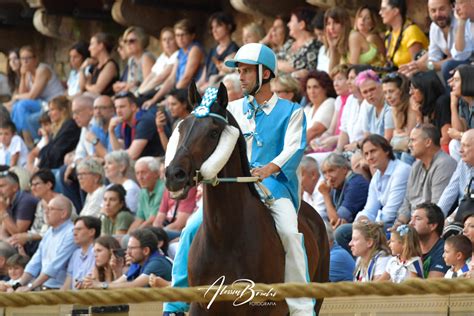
(238, 238)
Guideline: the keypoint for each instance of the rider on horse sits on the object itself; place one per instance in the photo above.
(275, 133)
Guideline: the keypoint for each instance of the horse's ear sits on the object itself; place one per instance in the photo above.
(222, 98)
(193, 95)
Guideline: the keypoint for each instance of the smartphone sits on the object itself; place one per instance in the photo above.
(161, 108)
(119, 252)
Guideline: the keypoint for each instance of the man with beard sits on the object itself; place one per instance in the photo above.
(442, 37)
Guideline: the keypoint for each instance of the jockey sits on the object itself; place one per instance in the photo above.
(275, 133)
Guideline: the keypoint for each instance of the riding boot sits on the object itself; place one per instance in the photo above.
(296, 263)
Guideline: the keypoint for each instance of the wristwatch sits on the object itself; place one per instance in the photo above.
(105, 285)
(95, 141)
(430, 65)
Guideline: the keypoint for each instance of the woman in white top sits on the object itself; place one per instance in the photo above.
(91, 178)
(321, 96)
(369, 245)
(164, 63)
(118, 171)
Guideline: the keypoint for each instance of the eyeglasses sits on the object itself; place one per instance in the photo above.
(34, 184)
(83, 174)
(130, 41)
(133, 247)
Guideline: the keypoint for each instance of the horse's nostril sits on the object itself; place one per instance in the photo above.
(180, 174)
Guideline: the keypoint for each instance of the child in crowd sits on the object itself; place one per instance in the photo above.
(406, 261)
(13, 151)
(457, 249)
(16, 265)
(45, 130)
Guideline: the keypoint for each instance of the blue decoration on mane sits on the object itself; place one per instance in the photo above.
(204, 108)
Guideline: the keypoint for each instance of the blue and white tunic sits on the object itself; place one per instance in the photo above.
(275, 132)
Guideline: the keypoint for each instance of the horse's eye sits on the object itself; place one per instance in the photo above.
(214, 134)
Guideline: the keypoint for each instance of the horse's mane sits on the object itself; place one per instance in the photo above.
(243, 154)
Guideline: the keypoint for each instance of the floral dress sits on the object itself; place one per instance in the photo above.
(306, 57)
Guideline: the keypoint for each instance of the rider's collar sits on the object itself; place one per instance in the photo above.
(204, 109)
(267, 106)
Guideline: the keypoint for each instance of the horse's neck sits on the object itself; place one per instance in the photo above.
(224, 204)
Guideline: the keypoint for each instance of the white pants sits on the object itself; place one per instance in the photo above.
(296, 264)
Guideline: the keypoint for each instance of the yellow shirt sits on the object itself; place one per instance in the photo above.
(412, 34)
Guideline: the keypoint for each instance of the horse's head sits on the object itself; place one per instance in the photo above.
(192, 147)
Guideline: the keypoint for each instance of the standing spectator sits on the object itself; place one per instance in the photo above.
(457, 250)
(13, 151)
(100, 72)
(65, 134)
(86, 229)
(147, 171)
(47, 268)
(344, 192)
(405, 262)
(91, 179)
(17, 207)
(428, 221)
(117, 216)
(133, 130)
(118, 170)
(38, 84)
(341, 263)
(431, 172)
(369, 245)
(146, 259)
(301, 51)
(77, 55)
(140, 61)
(404, 39)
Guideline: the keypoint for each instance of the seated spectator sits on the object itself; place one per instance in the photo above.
(146, 259)
(163, 64)
(321, 95)
(13, 74)
(147, 171)
(386, 190)
(109, 260)
(38, 84)
(468, 231)
(163, 240)
(396, 89)
(133, 130)
(118, 170)
(428, 221)
(317, 23)
(301, 51)
(42, 186)
(462, 104)
(178, 107)
(404, 39)
(48, 266)
(367, 23)
(16, 266)
(341, 263)
(430, 173)
(100, 72)
(464, 32)
(379, 119)
(454, 191)
(117, 216)
(232, 83)
(86, 229)
(431, 104)
(173, 214)
(405, 262)
(441, 43)
(13, 151)
(457, 250)
(310, 180)
(78, 53)
(221, 25)
(44, 132)
(369, 245)
(140, 61)
(6, 252)
(17, 207)
(65, 134)
(286, 87)
(277, 35)
(344, 192)
(104, 111)
(91, 179)
(191, 58)
(252, 32)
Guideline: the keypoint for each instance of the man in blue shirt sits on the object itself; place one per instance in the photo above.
(47, 267)
(341, 263)
(86, 230)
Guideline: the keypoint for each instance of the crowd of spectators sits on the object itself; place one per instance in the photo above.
(388, 165)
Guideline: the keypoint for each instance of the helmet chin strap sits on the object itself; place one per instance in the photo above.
(259, 80)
